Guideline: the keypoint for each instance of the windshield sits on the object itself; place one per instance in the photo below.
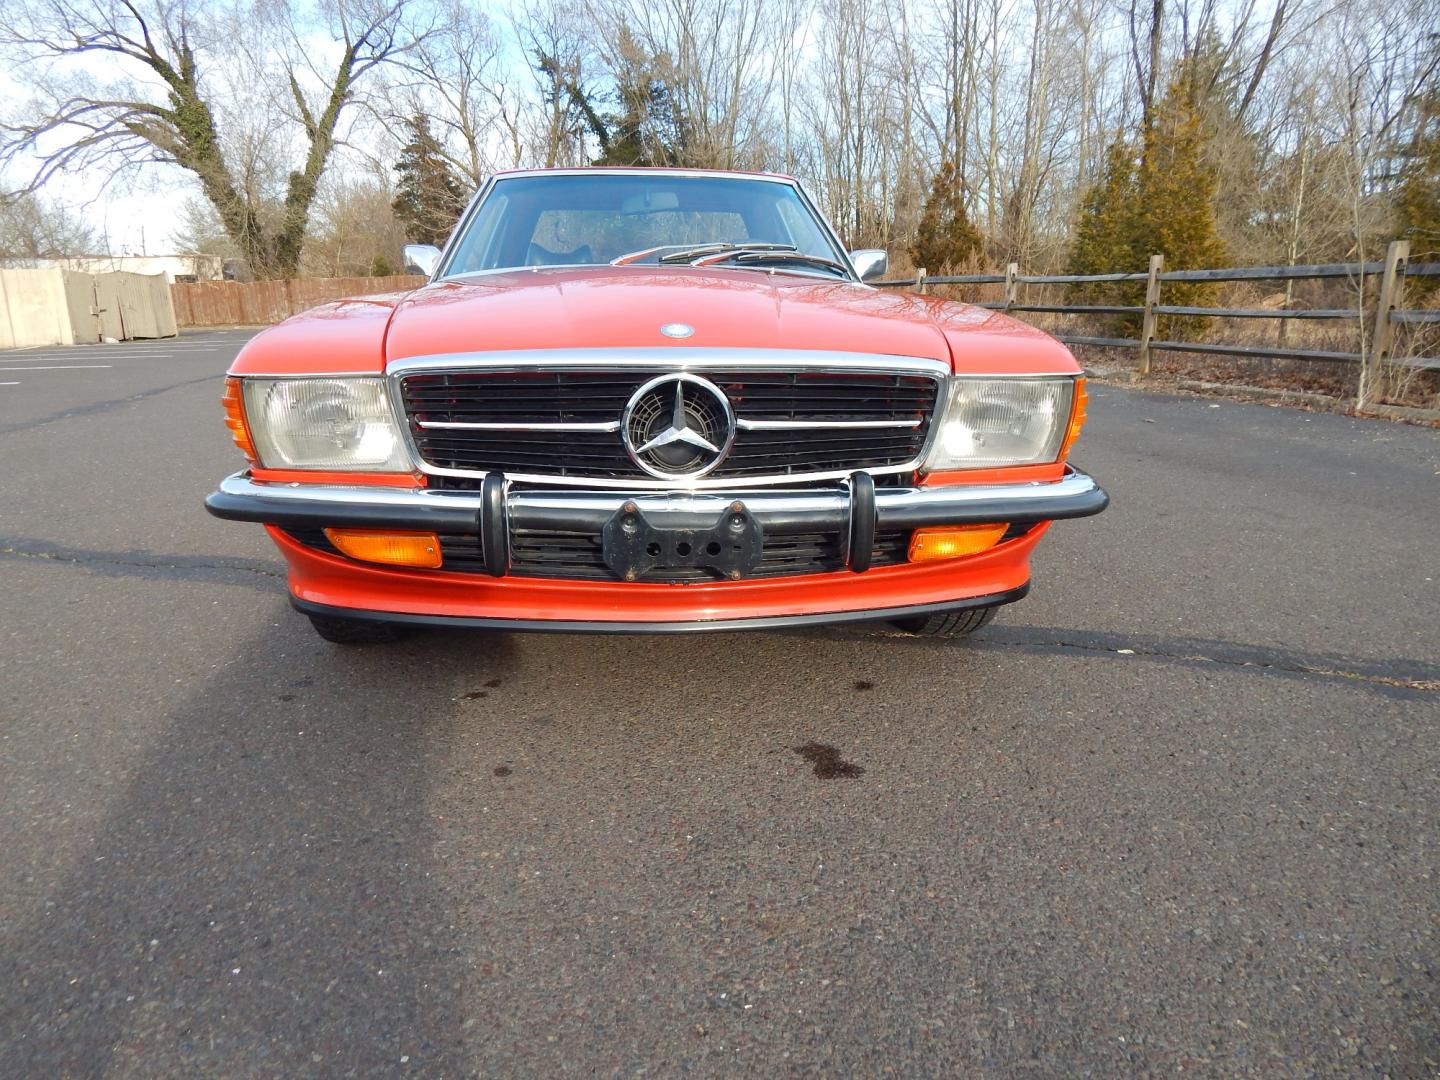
(567, 219)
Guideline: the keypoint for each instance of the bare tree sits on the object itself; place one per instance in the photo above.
(717, 61)
(32, 228)
(1147, 28)
(163, 107)
(456, 77)
(558, 59)
(354, 231)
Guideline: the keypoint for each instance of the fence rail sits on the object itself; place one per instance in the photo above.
(1385, 316)
(260, 303)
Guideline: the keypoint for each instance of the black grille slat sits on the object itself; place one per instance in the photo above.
(580, 556)
(508, 397)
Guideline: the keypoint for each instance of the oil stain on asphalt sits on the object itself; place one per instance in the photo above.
(827, 762)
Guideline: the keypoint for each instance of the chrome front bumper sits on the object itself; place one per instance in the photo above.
(856, 508)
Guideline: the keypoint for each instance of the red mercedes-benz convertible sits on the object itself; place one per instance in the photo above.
(652, 400)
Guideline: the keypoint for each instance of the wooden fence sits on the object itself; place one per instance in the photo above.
(260, 303)
(1386, 316)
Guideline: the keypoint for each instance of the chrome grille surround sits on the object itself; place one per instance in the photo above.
(645, 363)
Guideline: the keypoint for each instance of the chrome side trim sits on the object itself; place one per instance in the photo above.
(613, 425)
(812, 425)
(609, 425)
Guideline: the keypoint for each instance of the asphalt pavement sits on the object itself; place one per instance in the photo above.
(1176, 812)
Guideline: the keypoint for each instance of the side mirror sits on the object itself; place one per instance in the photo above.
(422, 258)
(870, 263)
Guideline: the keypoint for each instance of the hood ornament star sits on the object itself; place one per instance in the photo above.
(679, 430)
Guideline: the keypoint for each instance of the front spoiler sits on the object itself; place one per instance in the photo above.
(858, 508)
(658, 626)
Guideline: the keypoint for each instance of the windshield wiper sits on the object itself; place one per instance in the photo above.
(725, 248)
(744, 253)
(757, 254)
(644, 253)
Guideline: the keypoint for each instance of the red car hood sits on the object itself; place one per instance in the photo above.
(604, 307)
(734, 309)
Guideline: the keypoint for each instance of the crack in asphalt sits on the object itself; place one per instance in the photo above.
(1274, 663)
(102, 406)
(178, 563)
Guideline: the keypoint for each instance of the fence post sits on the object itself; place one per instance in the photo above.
(1147, 322)
(1382, 340)
(920, 281)
(1012, 287)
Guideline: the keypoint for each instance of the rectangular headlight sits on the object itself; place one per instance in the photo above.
(335, 424)
(993, 422)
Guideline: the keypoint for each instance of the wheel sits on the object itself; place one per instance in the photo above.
(354, 631)
(947, 624)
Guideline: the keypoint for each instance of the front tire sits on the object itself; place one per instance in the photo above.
(947, 624)
(354, 631)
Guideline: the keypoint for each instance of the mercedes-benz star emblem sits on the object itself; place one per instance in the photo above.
(678, 427)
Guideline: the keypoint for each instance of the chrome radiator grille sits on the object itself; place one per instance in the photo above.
(544, 423)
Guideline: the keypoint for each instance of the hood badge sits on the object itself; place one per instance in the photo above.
(677, 330)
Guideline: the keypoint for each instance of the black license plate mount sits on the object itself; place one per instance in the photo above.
(635, 546)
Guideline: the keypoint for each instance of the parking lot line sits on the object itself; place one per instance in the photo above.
(62, 367)
(32, 359)
(88, 355)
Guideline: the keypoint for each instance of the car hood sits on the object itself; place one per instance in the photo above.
(566, 309)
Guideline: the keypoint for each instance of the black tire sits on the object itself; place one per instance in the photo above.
(354, 631)
(947, 624)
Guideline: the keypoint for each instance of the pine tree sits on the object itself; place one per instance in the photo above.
(429, 197)
(1175, 205)
(1418, 204)
(650, 127)
(1164, 203)
(945, 239)
(1104, 236)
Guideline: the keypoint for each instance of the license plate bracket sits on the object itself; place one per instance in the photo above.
(635, 546)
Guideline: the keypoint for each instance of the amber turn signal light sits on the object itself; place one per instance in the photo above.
(390, 548)
(235, 420)
(953, 541)
(1077, 417)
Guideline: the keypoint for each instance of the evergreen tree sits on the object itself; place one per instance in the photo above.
(945, 239)
(1164, 203)
(1104, 236)
(1175, 205)
(1418, 204)
(649, 128)
(429, 198)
